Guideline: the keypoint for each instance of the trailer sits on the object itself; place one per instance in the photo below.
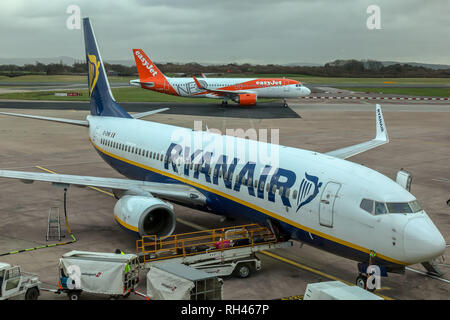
(337, 290)
(111, 274)
(174, 281)
(16, 284)
(223, 252)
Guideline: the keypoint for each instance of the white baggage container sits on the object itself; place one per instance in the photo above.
(98, 272)
(336, 290)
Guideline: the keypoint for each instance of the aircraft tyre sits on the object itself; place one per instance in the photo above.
(361, 281)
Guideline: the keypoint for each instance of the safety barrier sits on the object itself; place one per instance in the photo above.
(373, 98)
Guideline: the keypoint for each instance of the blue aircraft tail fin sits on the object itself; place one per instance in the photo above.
(102, 101)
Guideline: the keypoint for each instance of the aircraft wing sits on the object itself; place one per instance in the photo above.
(83, 123)
(168, 191)
(380, 139)
(219, 91)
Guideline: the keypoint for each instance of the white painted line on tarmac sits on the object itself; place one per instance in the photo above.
(442, 180)
(428, 275)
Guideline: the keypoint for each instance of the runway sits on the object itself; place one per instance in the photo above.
(266, 110)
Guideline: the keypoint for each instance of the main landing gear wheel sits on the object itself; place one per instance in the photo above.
(224, 103)
(285, 103)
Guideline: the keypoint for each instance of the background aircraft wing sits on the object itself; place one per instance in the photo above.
(380, 139)
(174, 192)
(148, 113)
(220, 91)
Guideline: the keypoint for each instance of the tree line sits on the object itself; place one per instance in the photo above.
(338, 68)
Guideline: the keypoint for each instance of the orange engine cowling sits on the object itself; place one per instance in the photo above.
(246, 99)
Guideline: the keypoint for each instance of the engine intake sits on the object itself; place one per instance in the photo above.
(145, 215)
(246, 99)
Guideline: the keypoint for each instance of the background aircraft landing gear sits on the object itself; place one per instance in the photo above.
(285, 103)
(224, 103)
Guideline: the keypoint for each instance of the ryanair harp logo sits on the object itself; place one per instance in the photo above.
(93, 72)
(309, 188)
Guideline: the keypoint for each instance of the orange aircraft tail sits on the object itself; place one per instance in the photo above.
(146, 68)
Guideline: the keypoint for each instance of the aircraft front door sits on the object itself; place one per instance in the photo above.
(285, 86)
(327, 200)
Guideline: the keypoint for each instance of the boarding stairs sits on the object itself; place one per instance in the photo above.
(54, 224)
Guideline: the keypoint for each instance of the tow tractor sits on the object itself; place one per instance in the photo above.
(15, 284)
(224, 251)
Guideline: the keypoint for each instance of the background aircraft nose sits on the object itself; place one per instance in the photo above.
(422, 241)
(306, 90)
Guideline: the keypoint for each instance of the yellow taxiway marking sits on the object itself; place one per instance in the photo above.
(270, 254)
(93, 188)
(323, 274)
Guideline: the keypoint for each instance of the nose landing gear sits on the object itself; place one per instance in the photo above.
(361, 281)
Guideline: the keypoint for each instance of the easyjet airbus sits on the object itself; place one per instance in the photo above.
(244, 91)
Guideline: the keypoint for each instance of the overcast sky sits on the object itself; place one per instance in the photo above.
(213, 31)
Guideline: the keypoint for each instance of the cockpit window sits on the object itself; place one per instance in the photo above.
(415, 206)
(380, 208)
(399, 207)
(375, 207)
(367, 205)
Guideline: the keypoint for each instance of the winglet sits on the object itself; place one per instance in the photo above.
(380, 139)
(198, 83)
(381, 125)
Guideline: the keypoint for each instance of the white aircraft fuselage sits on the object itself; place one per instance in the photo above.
(321, 208)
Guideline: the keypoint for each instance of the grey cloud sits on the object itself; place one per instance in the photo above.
(226, 31)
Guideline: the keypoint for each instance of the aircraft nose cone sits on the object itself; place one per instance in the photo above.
(422, 241)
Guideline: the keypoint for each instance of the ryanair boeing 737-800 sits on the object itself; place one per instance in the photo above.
(319, 199)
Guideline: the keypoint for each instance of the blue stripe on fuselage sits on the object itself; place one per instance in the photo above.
(227, 207)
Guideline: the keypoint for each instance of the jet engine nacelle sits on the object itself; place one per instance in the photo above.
(246, 99)
(146, 215)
